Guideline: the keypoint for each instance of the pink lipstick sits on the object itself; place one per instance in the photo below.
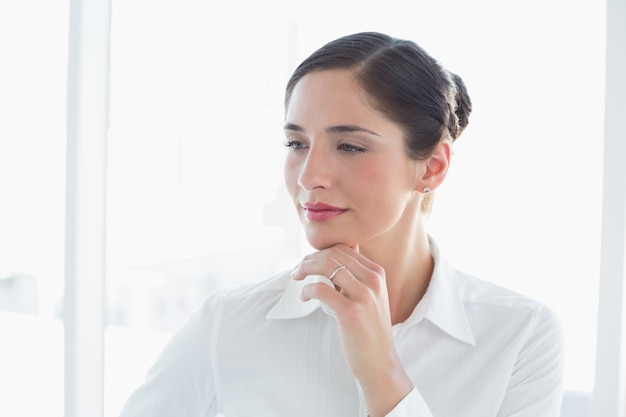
(320, 212)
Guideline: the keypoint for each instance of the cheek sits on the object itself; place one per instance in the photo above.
(290, 175)
(385, 185)
(372, 177)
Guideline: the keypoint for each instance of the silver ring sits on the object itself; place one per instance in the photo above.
(332, 274)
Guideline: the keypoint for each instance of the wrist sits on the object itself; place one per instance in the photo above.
(383, 392)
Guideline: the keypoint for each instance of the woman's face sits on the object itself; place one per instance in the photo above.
(346, 170)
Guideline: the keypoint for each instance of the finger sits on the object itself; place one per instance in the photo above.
(345, 282)
(363, 269)
(315, 265)
(330, 263)
(359, 276)
(326, 295)
(321, 264)
(335, 271)
(358, 256)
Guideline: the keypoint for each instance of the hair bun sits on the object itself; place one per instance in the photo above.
(463, 107)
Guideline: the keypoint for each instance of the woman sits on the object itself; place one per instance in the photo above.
(375, 322)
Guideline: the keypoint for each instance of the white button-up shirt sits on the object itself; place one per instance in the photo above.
(472, 349)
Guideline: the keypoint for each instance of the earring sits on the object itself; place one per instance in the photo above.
(426, 190)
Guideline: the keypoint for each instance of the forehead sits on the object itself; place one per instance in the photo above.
(331, 97)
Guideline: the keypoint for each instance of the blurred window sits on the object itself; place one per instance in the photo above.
(33, 74)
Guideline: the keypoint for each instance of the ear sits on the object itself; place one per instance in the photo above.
(436, 167)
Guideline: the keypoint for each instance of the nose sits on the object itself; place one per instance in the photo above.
(316, 170)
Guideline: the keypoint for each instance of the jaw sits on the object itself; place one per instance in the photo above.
(322, 235)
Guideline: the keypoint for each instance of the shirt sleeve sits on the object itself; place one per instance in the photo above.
(180, 382)
(535, 388)
(413, 405)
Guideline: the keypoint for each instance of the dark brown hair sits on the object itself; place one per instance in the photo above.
(405, 84)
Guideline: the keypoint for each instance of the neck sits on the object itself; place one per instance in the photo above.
(406, 257)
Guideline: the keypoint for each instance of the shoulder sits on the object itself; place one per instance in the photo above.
(475, 290)
(195, 337)
(275, 283)
(258, 295)
(506, 309)
(524, 330)
(180, 382)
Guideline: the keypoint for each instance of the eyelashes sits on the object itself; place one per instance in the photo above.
(295, 145)
(347, 147)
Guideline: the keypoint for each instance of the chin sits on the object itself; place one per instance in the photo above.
(323, 242)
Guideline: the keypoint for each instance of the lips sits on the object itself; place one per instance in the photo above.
(320, 212)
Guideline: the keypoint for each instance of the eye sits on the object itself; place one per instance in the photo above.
(346, 147)
(294, 145)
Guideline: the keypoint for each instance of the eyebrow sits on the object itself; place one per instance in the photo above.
(333, 129)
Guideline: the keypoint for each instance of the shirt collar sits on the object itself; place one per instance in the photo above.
(290, 306)
(442, 304)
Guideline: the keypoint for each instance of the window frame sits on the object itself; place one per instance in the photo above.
(610, 380)
(87, 108)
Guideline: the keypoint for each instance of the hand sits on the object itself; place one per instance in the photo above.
(361, 307)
